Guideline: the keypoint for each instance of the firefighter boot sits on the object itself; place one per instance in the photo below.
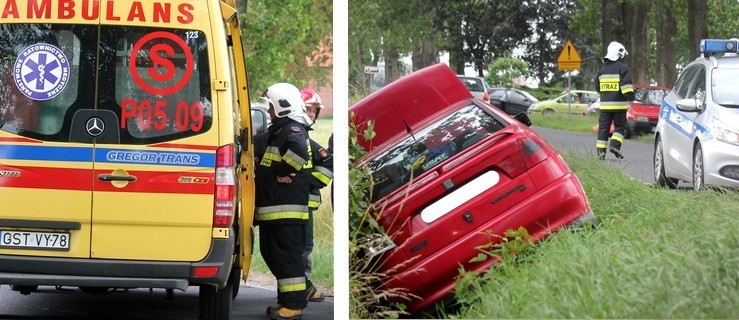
(284, 313)
(274, 308)
(616, 149)
(602, 153)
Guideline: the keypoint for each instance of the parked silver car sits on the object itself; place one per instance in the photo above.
(697, 138)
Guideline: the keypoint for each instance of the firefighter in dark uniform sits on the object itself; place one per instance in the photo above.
(321, 175)
(282, 187)
(614, 85)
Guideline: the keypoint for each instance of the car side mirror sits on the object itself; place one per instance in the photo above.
(523, 118)
(688, 105)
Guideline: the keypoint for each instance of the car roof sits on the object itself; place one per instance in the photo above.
(403, 104)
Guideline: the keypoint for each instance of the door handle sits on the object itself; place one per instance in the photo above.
(110, 177)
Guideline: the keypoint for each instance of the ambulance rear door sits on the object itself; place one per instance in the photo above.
(155, 161)
(47, 72)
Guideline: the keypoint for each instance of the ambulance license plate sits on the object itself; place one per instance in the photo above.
(34, 240)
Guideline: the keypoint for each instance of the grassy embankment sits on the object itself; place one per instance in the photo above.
(577, 123)
(657, 253)
(323, 252)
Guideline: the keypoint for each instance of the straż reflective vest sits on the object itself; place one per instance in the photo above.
(613, 82)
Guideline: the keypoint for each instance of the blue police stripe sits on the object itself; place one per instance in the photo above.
(668, 113)
(108, 155)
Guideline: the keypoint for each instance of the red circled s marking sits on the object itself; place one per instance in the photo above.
(155, 49)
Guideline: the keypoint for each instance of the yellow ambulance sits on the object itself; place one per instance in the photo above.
(124, 147)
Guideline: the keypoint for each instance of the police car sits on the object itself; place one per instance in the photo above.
(697, 138)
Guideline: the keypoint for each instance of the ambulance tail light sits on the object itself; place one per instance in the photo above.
(225, 189)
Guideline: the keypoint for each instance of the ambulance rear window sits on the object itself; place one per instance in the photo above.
(39, 72)
(148, 85)
(157, 82)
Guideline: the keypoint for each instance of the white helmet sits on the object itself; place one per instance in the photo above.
(615, 52)
(287, 102)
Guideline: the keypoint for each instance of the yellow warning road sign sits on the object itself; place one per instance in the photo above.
(569, 58)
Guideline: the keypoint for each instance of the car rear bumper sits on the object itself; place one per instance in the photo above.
(24, 270)
(434, 277)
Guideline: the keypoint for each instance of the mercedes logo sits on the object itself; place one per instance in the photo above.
(95, 126)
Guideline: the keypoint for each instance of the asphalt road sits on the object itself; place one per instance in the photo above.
(70, 303)
(637, 162)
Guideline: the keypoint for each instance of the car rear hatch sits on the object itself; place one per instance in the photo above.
(121, 151)
(406, 102)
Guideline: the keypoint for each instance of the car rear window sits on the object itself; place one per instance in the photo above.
(472, 84)
(154, 82)
(429, 147)
(650, 96)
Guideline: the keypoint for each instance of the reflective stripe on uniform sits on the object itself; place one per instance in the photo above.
(618, 137)
(601, 144)
(322, 174)
(309, 163)
(271, 154)
(609, 82)
(613, 105)
(627, 88)
(291, 284)
(314, 201)
(294, 160)
(286, 211)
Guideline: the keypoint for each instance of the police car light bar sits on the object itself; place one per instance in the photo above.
(709, 46)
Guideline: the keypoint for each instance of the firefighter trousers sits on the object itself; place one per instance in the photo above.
(281, 246)
(604, 128)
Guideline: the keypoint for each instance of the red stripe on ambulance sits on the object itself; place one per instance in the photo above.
(82, 180)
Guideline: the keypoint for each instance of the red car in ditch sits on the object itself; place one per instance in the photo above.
(447, 168)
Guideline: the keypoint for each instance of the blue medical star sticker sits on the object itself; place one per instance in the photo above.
(41, 71)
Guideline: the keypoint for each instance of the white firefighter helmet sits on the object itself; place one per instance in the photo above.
(615, 51)
(286, 100)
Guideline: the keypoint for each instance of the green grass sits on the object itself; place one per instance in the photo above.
(657, 253)
(323, 251)
(576, 123)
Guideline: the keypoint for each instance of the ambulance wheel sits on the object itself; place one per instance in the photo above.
(215, 303)
(235, 279)
(659, 167)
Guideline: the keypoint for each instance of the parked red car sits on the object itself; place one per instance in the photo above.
(447, 168)
(643, 112)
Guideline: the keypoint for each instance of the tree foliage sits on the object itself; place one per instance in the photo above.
(282, 39)
(503, 71)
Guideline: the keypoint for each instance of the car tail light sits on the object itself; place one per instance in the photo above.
(225, 189)
(533, 154)
(486, 96)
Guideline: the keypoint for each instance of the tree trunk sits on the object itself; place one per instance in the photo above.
(697, 25)
(666, 39)
(636, 23)
(241, 6)
(611, 25)
(391, 57)
(425, 53)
